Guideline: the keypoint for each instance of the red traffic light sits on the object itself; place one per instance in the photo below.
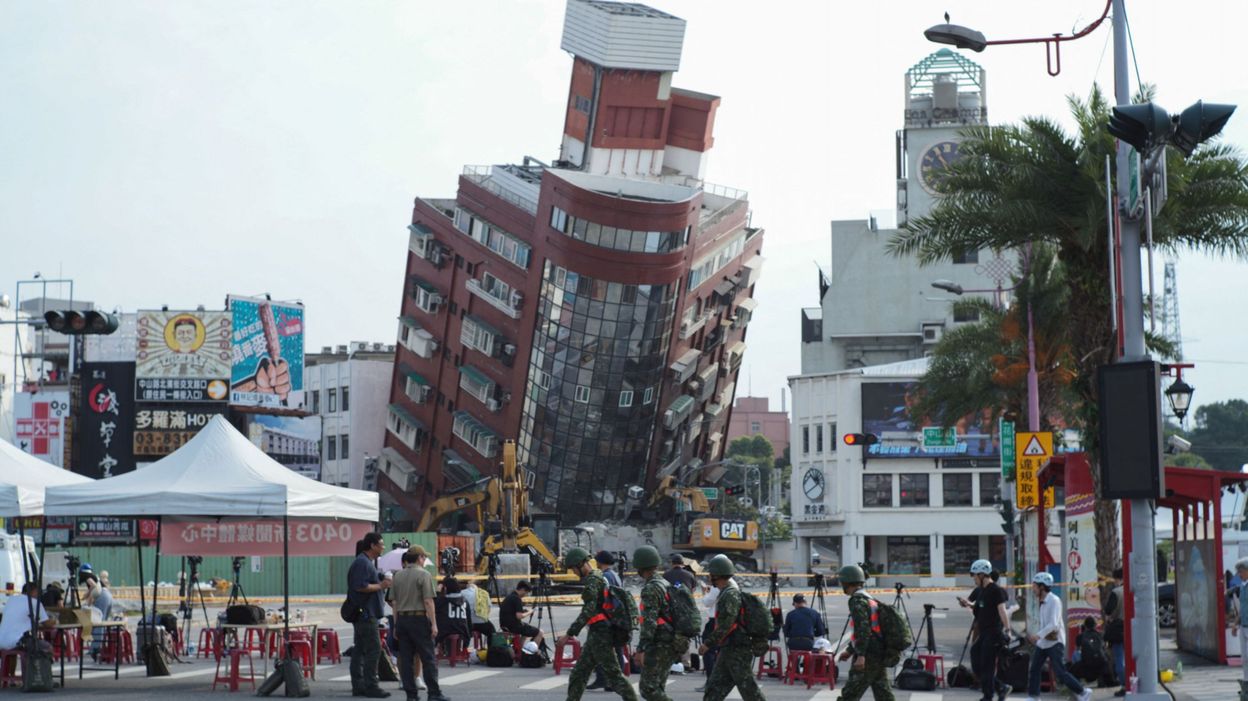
(861, 439)
(77, 323)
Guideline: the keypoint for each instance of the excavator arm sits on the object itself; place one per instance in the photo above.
(486, 499)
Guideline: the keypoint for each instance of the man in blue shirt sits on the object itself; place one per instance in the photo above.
(365, 589)
(802, 625)
(1239, 627)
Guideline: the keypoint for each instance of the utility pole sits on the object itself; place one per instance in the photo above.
(1141, 558)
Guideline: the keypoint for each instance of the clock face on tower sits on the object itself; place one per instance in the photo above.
(812, 484)
(933, 163)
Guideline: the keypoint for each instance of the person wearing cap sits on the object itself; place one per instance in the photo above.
(606, 563)
(802, 625)
(599, 648)
(366, 591)
(1050, 642)
(411, 597)
(679, 575)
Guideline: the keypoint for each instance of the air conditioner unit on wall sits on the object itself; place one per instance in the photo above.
(517, 298)
(493, 404)
(932, 333)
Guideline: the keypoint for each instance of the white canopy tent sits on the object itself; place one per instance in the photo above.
(23, 478)
(217, 473)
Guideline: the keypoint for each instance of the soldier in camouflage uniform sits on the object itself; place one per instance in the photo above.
(660, 646)
(735, 665)
(599, 648)
(868, 670)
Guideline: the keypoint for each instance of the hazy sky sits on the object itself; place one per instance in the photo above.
(173, 152)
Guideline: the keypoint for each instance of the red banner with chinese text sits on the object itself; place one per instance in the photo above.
(232, 536)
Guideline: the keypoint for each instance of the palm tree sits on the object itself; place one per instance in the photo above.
(1034, 183)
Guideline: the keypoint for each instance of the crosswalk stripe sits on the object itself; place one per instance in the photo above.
(343, 678)
(547, 684)
(925, 696)
(464, 677)
(827, 695)
(734, 694)
(194, 673)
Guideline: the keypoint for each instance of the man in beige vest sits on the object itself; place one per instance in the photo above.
(415, 625)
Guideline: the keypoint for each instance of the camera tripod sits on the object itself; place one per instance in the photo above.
(544, 608)
(774, 605)
(899, 604)
(931, 630)
(187, 605)
(492, 587)
(236, 589)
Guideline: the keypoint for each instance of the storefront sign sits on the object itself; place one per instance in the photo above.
(183, 356)
(230, 537)
(161, 429)
(104, 440)
(104, 529)
(40, 424)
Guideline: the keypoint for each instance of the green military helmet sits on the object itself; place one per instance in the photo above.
(646, 557)
(721, 566)
(575, 557)
(851, 574)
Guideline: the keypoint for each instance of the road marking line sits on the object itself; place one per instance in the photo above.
(734, 694)
(925, 696)
(343, 678)
(191, 673)
(547, 684)
(827, 695)
(465, 677)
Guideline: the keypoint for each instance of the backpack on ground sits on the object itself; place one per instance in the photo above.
(1092, 646)
(531, 660)
(894, 632)
(683, 612)
(961, 677)
(496, 656)
(37, 674)
(914, 677)
(621, 610)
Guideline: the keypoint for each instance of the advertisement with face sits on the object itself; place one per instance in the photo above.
(182, 356)
(267, 353)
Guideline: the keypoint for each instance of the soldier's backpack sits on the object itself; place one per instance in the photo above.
(621, 611)
(755, 621)
(894, 632)
(683, 612)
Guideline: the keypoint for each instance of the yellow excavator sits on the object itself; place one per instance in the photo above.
(514, 526)
(482, 494)
(686, 498)
(698, 531)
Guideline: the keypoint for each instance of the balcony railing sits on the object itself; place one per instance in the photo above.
(475, 287)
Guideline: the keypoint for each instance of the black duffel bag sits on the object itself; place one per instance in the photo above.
(913, 677)
(244, 615)
(961, 678)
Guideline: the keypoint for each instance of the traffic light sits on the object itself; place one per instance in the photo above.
(1198, 123)
(735, 491)
(74, 323)
(1143, 126)
(863, 439)
(1007, 517)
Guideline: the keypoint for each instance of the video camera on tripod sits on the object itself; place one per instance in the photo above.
(450, 560)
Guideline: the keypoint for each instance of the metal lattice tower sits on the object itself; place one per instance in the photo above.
(1170, 329)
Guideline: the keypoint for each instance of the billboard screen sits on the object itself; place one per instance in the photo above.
(39, 424)
(267, 358)
(886, 413)
(105, 434)
(182, 356)
(161, 428)
(294, 441)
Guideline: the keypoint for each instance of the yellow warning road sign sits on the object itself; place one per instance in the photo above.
(1036, 450)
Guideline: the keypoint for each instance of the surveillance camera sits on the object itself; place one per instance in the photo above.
(1178, 444)
(961, 37)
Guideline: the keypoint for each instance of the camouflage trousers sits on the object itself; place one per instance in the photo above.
(733, 667)
(657, 667)
(873, 676)
(599, 651)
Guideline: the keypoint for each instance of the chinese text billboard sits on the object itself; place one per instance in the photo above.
(160, 429)
(104, 437)
(886, 413)
(267, 358)
(182, 356)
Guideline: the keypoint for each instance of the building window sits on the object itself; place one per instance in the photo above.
(346, 399)
(316, 401)
(705, 268)
(819, 438)
(478, 335)
(957, 488)
(496, 288)
(582, 103)
(626, 397)
(756, 427)
(647, 396)
(343, 441)
(989, 488)
(475, 434)
(909, 554)
(543, 379)
(332, 399)
(426, 296)
(805, 440)
(966, 257)
(963, 315)
(877, 490)
(914, 489)
(615, 238)
(832, 437)
(960, 552)
(996, 552)
(331, 450)
(582, 394)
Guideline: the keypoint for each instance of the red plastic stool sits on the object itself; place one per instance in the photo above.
(207, 642)
(12, 667)
(517, 645)
(799, 665)
(254, 641)
(301, 650)
(560, 660)
(117, 643)
(822, 670)
(771, 666)
(327, 646)
(453, 650)
(936, 665)
(233, 668)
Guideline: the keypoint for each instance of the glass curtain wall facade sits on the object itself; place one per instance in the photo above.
(588, 418)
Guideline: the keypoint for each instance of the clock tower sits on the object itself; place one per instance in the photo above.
(945, 94)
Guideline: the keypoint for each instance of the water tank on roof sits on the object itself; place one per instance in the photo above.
(945, 92)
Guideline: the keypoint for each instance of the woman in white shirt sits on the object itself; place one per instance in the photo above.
(1050, 642)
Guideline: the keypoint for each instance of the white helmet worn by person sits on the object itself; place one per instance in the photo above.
(1043, 578)
(981, 567)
